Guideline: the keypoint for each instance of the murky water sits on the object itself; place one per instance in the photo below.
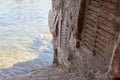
(21, 23)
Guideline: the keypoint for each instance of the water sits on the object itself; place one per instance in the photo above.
(21, 23)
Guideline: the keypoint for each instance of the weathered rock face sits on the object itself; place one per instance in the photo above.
(63, 22)
(86, 37)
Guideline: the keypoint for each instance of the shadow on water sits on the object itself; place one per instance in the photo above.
(20, 22)
(37, 42)
(45, 58)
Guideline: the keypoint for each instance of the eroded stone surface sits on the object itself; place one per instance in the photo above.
(46, 73)
(85, 35)
(86, 40)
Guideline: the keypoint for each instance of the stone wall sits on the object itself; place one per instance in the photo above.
(86, 37)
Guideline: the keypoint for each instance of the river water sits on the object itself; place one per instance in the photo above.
(21, 24)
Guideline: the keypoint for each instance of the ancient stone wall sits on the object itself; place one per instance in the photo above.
(86, 37)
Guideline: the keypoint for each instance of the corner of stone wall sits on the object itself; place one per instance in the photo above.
(66, 23)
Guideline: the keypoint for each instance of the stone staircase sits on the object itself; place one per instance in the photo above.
(46, 73)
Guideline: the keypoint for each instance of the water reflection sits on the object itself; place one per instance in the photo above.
(21, 23)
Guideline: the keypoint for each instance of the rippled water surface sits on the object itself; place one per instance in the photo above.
(21, 24)
(21, 21)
